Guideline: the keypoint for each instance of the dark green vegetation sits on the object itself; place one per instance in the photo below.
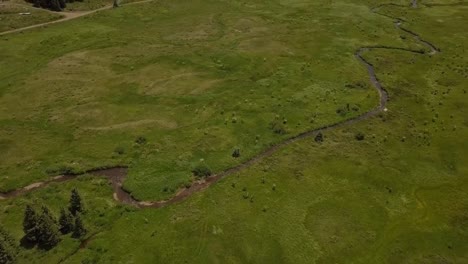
(70, 5)
(54, 5)
(199, 79)
(43, 229)
(8, 248)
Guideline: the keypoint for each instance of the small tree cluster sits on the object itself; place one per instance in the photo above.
(48, 235)
(44, 229)
(8, 248)
(40, 228)
(54, 5)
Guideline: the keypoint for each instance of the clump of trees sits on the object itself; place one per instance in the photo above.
(54, 5)
(8, 248)
(40, 229)
(44, 230)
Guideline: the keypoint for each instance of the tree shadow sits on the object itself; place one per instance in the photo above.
(27, 244)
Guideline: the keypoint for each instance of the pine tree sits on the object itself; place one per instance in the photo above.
(37, 3)
(44, 3)
(6, 256)
(8, 248)
(63, 4)
(65, 221)
(76, 206)
(30, 222)
(79, 230)
(48, 233)
(54, 5)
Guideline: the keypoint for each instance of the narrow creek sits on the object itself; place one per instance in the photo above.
(117, 175)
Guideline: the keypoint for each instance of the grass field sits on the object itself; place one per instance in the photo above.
(10, 17)
(198, 79)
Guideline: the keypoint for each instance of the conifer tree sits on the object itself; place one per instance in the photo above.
(54, 5)
(65, 221)
(44, 3)
(37, 3)
(48, 233)
(76, 206)
(79, 230)
(63, 4)
(30, 222)
(8, 248)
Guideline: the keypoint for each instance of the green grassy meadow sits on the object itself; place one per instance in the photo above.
(198, 79)
(10, 17)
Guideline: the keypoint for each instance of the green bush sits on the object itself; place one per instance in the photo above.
(319, 137)
(359, 136)
(119, 150)
(201, 171)
(140, 140)
(236, 153)
(278, 128)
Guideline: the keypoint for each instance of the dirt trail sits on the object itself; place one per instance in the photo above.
(67, 16)
(117, 175)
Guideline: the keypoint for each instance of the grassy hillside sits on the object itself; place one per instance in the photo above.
(198, 79)
(10, 17)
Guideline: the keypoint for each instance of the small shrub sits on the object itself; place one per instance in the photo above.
(62, 170)
(359, 136)
(278, 128)
(201, 171)
(319, 137)
(140, 140)
(119, 150)
(236, 153)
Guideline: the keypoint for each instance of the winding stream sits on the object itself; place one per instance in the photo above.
(117, 175)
